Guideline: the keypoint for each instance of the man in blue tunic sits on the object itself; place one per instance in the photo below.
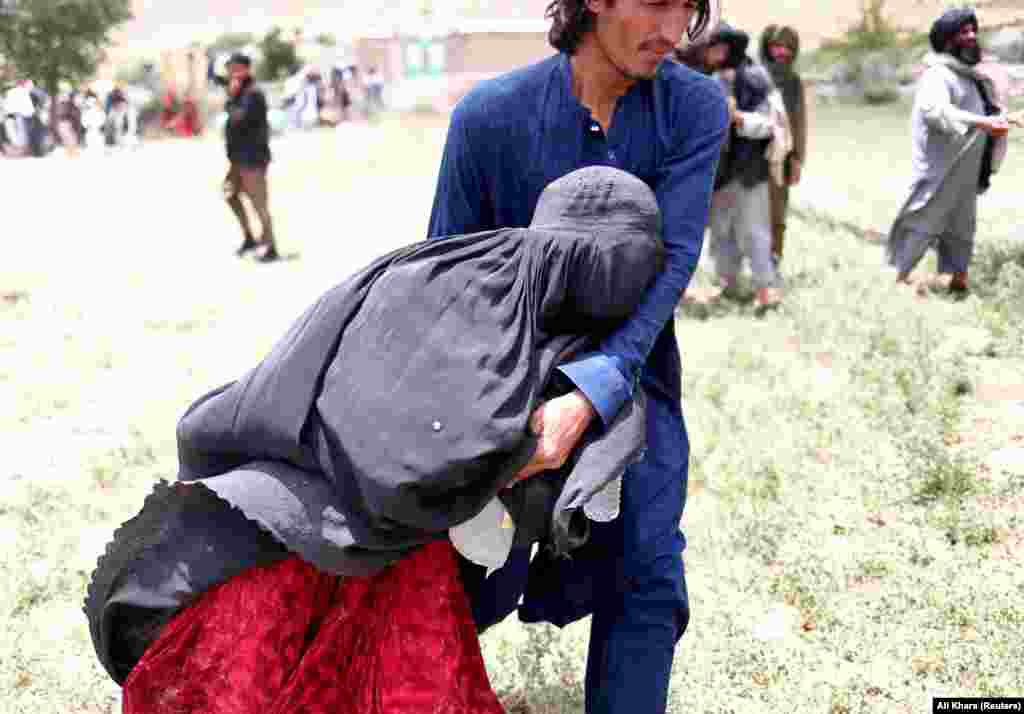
(607, 98)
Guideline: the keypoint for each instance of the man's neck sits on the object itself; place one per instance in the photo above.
(596, 81)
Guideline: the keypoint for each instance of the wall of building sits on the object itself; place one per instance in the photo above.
(495, 52)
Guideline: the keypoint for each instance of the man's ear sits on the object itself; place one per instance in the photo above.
(597, 6)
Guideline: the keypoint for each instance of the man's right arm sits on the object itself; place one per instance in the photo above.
(940, 114)
(462, 199)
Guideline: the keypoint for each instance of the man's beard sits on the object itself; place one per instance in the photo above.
(968, 54)
(779, 71)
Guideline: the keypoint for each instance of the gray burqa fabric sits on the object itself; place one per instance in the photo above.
(394, 409)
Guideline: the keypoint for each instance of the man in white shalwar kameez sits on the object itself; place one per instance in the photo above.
(959, 140)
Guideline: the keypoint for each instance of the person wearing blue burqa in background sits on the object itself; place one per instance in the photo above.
(607, 98)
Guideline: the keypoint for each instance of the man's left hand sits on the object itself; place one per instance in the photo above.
(559, 424)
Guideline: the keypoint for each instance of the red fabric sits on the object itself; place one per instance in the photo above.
(289, 639)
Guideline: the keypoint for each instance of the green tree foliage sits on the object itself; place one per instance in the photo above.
(231, 41)
(53, 40)
(280, 58)
(873, 31)
(326, 39)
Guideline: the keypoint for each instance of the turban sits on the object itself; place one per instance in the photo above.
(737, 40)
(947, 26)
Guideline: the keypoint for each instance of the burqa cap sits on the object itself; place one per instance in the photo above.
(946, 27)
(618, 215)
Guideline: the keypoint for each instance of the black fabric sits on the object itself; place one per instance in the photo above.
(737, 40)
(991, 109)
(247, 132)
(948, 25)
(394, 409)
(745, 158)
(160, 561)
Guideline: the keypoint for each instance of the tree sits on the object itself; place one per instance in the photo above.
(279, 56)
(54, 40)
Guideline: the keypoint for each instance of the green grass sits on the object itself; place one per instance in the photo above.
(839, 443)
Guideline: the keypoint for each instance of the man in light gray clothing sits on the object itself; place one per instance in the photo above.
(741, 219)
(959, 139)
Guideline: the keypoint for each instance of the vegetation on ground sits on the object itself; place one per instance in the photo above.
(855, 521)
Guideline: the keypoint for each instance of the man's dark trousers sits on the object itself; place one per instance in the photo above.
(629, 575)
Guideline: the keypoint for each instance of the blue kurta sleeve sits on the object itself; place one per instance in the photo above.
(683, 187)
(462, 200)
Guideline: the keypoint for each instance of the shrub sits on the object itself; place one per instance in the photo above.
(280, 58)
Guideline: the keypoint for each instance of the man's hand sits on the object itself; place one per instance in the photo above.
(995, 126)
(559, 423)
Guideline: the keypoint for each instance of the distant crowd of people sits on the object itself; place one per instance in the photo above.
(312, 100)
(75, 119)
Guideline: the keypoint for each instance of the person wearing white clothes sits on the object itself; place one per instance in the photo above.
(741, 220)
(20, 110)
(94, 120)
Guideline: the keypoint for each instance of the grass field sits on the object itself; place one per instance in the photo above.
(855, 523)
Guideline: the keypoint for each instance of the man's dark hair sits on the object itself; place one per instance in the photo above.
(571, 20)
(949, 24)
(240, 58)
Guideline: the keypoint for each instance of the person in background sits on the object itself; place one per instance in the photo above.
(959, 138)
(741, 208)
(67, 121)
(374, 91)
(247, 135)
(20, 111)
(94, 122)
(780, 47)
(117, 117)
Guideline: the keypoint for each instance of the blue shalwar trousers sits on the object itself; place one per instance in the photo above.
(628, 576)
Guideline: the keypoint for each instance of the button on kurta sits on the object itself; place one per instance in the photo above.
(437, 426)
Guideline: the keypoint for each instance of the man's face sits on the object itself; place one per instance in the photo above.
(965, 44)
(780, 53)
(239, 72)
(637, 35)
(715, 56)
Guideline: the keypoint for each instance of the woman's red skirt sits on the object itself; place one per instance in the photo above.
(288, 638)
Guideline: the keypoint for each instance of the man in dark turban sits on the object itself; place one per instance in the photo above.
(780, 47)
(959, 139)
(741, 219)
